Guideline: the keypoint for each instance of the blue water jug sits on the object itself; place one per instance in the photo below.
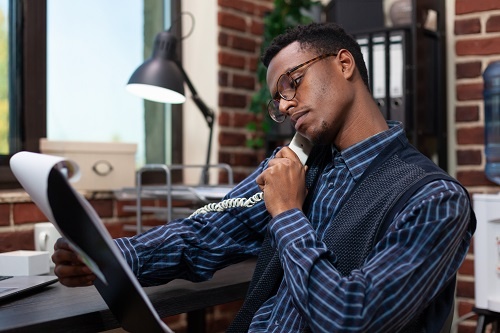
(491, 94)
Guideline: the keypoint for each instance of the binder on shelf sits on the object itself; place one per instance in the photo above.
(397, 108)
(384, 54)
(379, 73)
(365, 51)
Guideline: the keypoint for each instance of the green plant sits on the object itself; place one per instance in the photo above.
(285, 14)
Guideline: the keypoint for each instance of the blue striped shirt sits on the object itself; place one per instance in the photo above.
(423, 249)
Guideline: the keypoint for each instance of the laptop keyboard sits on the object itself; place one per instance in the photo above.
(3, 277)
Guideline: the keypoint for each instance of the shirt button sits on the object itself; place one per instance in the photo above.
(330, 185)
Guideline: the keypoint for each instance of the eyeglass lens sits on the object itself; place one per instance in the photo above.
(273, 108)
(286, 90)
(286, 87)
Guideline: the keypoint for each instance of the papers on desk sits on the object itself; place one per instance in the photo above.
(46, 179)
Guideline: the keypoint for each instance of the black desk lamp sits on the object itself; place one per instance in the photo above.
(161, 79)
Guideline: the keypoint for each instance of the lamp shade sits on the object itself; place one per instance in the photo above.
(159, 78)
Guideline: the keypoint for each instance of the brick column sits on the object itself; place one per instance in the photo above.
(477, 43)
(240, 36)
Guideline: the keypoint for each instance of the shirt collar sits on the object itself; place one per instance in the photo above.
(357, 157)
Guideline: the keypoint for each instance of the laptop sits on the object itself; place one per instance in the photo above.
(12, 287)
(46, 179)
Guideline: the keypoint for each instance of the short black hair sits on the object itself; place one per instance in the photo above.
(320, 38)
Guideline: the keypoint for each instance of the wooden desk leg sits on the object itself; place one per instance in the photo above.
(196, 321)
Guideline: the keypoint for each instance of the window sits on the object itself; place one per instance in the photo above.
(4, 77)
(26, 97)
(67, 76)
(93, 47)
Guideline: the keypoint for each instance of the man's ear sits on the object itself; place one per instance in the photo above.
(348, 65)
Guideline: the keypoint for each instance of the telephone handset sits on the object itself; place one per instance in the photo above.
(299, 145)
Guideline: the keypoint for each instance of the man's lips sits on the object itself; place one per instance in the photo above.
(297, 115)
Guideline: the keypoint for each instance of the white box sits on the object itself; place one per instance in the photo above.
(20, 263)
(487, 251)
(103, 165)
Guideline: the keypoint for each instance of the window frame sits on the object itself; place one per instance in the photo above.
(28, 85)
(27, 81)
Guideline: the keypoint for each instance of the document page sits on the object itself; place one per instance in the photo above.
(46, 179)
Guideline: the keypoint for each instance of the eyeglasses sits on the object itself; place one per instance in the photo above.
(286, 88)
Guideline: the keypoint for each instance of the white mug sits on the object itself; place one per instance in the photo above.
(46, 236)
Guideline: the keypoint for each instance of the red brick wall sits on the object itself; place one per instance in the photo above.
(477, 43)
(18, 215)
(240, 35)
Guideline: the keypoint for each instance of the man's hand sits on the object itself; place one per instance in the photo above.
(70, 270)
(283, 182)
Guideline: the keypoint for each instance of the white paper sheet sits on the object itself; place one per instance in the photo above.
(46, 179)
(31, 170)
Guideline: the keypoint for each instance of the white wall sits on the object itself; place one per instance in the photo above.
(201, 64)
(451, 79)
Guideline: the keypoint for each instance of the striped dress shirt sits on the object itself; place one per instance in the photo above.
(424, 247)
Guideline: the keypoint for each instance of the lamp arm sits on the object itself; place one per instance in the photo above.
(207, 112)
(209, 118)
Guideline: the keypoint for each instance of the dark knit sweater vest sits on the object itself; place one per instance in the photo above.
(389, 181)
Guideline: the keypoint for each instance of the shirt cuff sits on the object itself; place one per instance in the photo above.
(289, 227)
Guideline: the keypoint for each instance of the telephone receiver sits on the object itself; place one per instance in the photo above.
(301, 147)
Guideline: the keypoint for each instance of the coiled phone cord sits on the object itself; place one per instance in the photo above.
(229, 203)
(300, 146)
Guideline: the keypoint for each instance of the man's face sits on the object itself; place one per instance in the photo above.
(319, 105)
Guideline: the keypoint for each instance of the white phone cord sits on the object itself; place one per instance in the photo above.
(229, 203)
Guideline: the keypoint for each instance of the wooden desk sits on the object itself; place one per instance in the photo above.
(61, 309)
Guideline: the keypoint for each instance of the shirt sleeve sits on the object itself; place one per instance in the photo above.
(422, 250)
(195, 248)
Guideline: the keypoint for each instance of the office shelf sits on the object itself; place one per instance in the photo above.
(420, 102)
(192, 197)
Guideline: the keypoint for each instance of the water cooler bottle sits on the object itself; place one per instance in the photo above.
(487, 206)
(491, 93)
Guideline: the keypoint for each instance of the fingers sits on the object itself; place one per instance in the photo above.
(70, 270)
(65, 257)
(64, 254)
(283, 182)
(286, 152)
(285, 157)
(260, 182)
(61, 243)
(74, 276)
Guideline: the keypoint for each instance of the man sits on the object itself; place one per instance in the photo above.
(367, 237)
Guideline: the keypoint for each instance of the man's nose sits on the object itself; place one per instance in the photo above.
(286, 105)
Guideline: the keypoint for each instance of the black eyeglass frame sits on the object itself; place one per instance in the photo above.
(274, 103)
